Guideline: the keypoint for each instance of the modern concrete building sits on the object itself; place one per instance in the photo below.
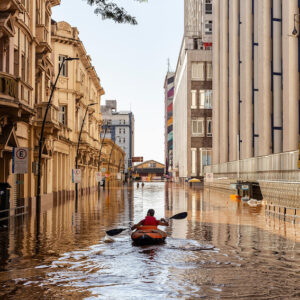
(255, 78)
(169, 94)
(119, 126)
(192, 107)
(256, 57)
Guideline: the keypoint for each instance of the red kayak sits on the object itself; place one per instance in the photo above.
(148, 235)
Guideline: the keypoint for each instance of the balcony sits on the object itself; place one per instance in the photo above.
(52, 125)
(43, 38)
(15, 98)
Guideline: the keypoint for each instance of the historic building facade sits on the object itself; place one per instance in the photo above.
(192, 106)
(31, 49)
(25, 47)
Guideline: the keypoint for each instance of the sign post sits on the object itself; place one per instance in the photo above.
(20, 160)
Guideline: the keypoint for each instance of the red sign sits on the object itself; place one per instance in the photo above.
(138, 159)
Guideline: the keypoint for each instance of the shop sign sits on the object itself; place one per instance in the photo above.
(76, 175)
(119, 176)
(98, 176)
(20, 160)
(245, 187)
(8, 86)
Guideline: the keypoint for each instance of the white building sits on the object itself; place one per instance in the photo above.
(119, 127)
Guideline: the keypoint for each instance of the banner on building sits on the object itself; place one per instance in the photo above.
(119, 176)
(20, 160)
(98, 176)
(76, 175)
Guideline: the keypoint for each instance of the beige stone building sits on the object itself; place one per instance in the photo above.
(77, 87)
(31, 49)
(25, 46)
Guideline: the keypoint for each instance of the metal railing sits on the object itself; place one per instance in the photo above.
(281, 166)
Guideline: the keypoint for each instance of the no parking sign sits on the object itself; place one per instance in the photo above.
(76, 175)
(20, 160)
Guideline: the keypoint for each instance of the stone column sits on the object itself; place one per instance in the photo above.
(233, 78)
(224, 120)
(290, 64)
(264, 105)
(216, 84)
(246, 67)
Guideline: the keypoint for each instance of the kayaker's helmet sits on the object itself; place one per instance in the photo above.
(151, 212)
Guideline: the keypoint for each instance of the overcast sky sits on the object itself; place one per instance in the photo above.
(131, 61)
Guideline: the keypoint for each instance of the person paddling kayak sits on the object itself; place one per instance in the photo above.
(150, 220)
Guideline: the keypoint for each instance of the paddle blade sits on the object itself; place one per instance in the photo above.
(113, 232)
(179, 216)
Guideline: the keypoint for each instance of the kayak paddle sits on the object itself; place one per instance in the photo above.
(113, 232)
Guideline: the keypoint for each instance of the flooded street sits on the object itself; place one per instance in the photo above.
(223, 250)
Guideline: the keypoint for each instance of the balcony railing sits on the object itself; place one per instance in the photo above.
(281, 166)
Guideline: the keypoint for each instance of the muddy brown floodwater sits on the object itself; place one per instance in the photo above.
(223, 250)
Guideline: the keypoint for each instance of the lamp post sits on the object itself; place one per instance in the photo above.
(111, 151)
(100, 152)
(38, 194)
(77, 150)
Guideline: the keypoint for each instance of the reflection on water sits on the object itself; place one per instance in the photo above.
(224, 249)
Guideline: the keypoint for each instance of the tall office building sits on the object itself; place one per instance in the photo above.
(169, 94)
(119, 126)
(192, 107)
(255, 78)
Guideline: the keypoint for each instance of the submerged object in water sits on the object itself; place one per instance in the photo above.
(148, 235)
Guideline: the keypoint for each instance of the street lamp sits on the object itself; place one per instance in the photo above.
(295, 32)
(100, 152)
(77, 150)
(38, 194)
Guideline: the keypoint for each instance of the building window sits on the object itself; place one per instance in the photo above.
(23, 67)
(16, 62)
(152, 165)
(205, 157)
(64, 70)
(208, 7)
(208, 99)
(120, 130)
(108, 122)
(194, 99)
(123, 130)
(124, 140)
(208, 27)
(198, 127)
(209, 128)
(198, 71)
(209, 71)
(194, 161)
(62, 114)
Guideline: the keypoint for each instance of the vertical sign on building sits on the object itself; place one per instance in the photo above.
(20, 160)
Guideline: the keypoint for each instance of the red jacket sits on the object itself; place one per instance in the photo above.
(150, 221)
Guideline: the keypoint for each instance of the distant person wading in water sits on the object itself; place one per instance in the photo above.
(150, 220)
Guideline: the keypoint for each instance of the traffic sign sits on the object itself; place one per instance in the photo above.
(209, 177)
(20, 160)
(98, 176)
(76, 175)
